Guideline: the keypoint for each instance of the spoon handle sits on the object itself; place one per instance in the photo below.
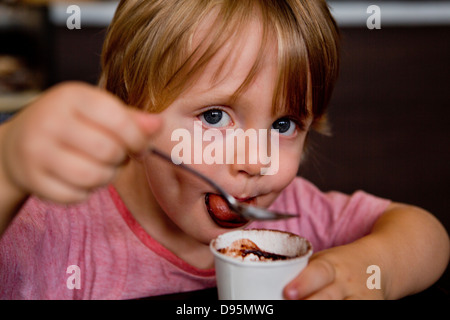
(164, 156)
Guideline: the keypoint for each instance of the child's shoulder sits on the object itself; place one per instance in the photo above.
(303, 190)
(300, 185)
(303, 197)
(328, 218)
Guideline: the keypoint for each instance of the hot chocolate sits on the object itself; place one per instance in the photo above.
(247, 250)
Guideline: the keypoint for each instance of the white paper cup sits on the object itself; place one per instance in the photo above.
(259, 280)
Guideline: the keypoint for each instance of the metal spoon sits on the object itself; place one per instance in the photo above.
(245, 210)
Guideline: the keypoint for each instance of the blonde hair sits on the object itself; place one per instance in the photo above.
(148, 58)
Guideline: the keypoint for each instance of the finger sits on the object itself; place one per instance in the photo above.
(79, 171)
(147, 122)
(318, 274)
(131, 127)
(56, 190)
(90, 142)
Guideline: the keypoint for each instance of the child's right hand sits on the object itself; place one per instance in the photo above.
(70, 141)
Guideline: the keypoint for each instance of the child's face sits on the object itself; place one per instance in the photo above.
(182, 196)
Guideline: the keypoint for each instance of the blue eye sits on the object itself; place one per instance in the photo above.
(215, 118)
(285, 126)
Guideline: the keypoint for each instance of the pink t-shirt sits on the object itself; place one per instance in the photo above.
(97, 250)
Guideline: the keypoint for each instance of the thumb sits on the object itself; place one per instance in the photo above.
(148, 123)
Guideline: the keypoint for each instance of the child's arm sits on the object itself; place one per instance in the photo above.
(66, 143)
(408, 244)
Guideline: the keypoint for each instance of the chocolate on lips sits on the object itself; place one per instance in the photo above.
(221, 214)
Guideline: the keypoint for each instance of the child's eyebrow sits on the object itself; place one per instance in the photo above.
(216, 96)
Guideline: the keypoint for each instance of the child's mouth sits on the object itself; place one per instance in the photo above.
(221, 214)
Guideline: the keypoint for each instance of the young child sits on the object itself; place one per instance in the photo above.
(87, 213)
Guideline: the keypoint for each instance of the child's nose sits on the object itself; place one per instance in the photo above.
(246, 160)
(246, 168)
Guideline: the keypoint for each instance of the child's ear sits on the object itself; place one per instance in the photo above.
(322, 125)
(306, 148)
(102, 82)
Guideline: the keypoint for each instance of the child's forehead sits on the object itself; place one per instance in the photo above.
(236, 62)
(235, 58)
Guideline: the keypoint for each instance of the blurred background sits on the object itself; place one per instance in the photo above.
(390, 111)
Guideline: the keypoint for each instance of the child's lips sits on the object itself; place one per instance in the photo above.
(221, 214)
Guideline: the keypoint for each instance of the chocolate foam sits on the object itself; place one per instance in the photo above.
(247, 250)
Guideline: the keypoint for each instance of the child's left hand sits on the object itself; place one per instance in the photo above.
(335, 274)
(403, 236)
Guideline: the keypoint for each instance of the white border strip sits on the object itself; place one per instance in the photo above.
(354, 14)
(93, 14)
(347, 14)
